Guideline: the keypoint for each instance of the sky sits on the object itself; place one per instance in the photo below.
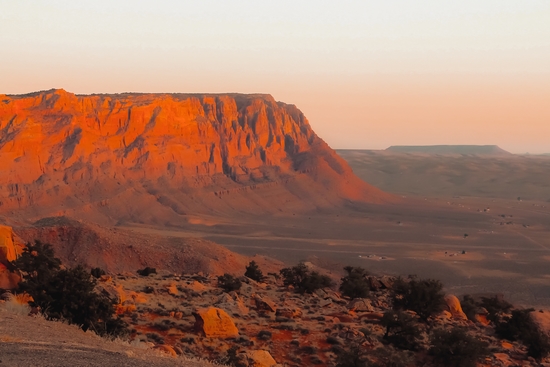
(367, 74)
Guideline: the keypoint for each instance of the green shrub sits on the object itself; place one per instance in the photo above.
(401, 330)
(229, 283)
(66, 294)
(303, 279)
(425, 297)
(455, 348)
(354, 284)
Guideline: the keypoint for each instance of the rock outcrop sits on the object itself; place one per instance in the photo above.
(215, 323)
(9, 251)
(454, 307)
(156, 157)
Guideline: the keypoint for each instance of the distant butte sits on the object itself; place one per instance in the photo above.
(153, 158)
(449, 149)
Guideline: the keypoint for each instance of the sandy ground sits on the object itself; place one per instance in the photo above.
(32, 341)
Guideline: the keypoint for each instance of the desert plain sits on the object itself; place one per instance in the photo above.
(486, 242)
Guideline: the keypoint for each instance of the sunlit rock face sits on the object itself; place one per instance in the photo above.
(146, 156)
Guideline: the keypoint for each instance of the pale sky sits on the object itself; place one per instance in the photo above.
(367, 74)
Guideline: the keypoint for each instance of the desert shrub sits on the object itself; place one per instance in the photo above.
(521, 326)
(229, 283)
(66, 294)
(264, 335)
(469, 307)
(97, 272)
(455, 348)
(145, 272)
(423, 296)
(353, 356)
(401, 330)
(496, 306)
(253, 272)
(390, 357)
(354, 284)
(303, 279)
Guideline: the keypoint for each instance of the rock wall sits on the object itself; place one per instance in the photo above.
(114, 156)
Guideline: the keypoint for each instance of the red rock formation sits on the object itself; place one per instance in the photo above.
(154, 157)
(215, 323)
(9, 250)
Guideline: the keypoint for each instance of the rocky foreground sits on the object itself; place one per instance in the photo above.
(264, 324)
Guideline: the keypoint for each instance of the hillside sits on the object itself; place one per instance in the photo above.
(484, 150)
(153, 158)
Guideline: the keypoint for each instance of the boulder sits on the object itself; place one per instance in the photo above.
(260, 358)
(454, 307)
(115, 293)
(8, 280)
(387, 281)
(360, 305)
(374, 284)
(215, 323)
(264, 304)
(8, 249)
(172, 289)
(289, 313)
(232, 303)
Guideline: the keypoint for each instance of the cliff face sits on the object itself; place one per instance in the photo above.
(150, 157)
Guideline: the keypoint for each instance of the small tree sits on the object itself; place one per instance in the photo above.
(401, 330)
(303, 279)
(66, 294)
(229, 283)
(354, 284)
(253, 272)
(425, 297)
(455, 348)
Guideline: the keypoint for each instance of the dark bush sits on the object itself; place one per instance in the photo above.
(496, 306)
(253, 272)
(521, 326)
(354, 284)
(470, 307)
(354, 356)
(401, 330)
(303, 279)
(455, 348)
(390, 357)
(145, 272)
(264, 335)
(423, 296)
(229, 283)
(66, 294)
(97, 272)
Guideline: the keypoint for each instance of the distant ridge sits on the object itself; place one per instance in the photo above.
(450, 149)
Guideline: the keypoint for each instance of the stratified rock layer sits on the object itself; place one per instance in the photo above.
(153, 157)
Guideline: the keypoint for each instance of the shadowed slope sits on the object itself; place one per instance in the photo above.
(152, 158)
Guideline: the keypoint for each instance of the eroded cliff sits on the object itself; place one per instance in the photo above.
(153, 157)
